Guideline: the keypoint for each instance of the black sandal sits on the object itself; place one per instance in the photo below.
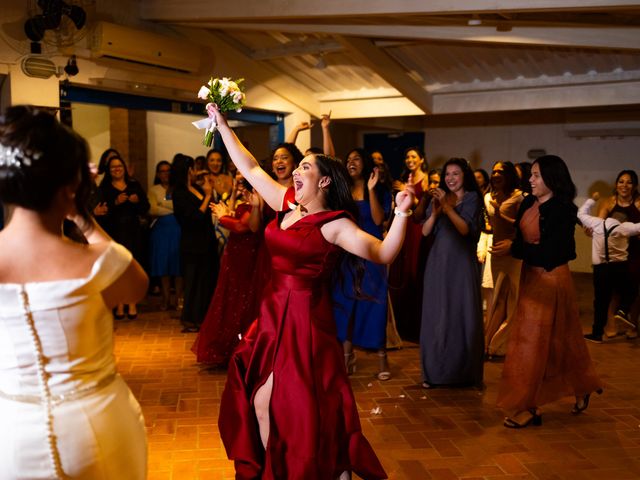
(577, 408)
(535, 420)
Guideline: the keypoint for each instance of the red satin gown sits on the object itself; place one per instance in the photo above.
(315, 431)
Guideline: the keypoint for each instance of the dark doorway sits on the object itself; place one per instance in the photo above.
(392, 147)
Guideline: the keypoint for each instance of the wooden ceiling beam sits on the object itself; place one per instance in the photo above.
(203, 10)
(622, 38)
(366, 53)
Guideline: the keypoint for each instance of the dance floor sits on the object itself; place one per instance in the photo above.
(418, 434)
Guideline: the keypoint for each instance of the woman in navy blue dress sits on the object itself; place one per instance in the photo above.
(361, 317)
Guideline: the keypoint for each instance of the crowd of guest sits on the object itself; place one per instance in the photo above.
(457, 240)
(456, 288)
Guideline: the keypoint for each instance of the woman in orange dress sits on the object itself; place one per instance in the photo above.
(547, 357)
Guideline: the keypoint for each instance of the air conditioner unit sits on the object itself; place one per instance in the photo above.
(116, 42)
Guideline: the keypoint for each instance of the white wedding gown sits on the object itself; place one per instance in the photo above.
(64, 412)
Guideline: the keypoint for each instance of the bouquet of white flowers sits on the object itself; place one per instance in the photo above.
(227, 94)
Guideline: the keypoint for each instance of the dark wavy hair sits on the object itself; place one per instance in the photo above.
(525, 168)
(293, 151)
(156, 179)
(338, 197)
(58, 157)
(510, 175)
(367, 170)
(107, 179)
(109, 152)
(404, 176)
(179, 177)
(634, 181)
(484, 174)
(468, 179)
(556, 177)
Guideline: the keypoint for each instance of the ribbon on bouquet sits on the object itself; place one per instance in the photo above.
(209, 124)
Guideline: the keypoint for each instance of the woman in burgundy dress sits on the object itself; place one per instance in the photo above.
(406, 273)
(235, 303)
(288, 370)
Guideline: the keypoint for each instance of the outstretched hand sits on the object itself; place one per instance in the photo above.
(373, 178)
(404, 198)
(326, 120)
(304, 126)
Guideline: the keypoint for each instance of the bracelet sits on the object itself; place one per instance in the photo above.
(400, 213)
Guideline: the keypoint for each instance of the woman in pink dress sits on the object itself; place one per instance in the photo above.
(288, 371)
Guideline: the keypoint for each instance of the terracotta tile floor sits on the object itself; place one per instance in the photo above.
(440, 434)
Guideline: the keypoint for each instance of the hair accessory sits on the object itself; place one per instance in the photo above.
(400, 213)
(16, 157)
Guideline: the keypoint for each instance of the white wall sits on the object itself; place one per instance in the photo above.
(92, 122)
(171, 133)
(594, 162)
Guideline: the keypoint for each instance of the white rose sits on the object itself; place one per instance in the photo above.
(237, 97)
(203, 93)
(238, 110)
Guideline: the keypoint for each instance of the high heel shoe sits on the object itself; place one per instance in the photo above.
(350, 362)
(384, 374)
(535, 420)
(581, 407)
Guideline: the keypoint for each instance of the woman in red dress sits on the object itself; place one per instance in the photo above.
(288, 370)
(406, 274)
(235, 303)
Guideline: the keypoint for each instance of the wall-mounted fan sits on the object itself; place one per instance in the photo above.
(51, 26)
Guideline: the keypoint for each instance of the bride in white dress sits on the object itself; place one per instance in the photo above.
(64, 411)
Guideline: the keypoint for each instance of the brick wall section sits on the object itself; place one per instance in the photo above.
(128, 129)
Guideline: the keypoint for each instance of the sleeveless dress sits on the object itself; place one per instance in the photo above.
(370, 314)
(89, 425)
(236, 301)
(406, 277)
(315, 431)
(633, 216)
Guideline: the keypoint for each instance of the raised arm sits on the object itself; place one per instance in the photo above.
(293, 134)
(327, 142)
(347, 235)
(585, 217)
(377, 210)
(270, 190)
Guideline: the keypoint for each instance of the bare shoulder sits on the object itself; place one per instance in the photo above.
(606, 206)
(332, 230)
(22, 262)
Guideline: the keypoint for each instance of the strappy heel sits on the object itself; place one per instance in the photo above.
(350, 362)
(579, 408)
(384, 374)
(535, 420)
